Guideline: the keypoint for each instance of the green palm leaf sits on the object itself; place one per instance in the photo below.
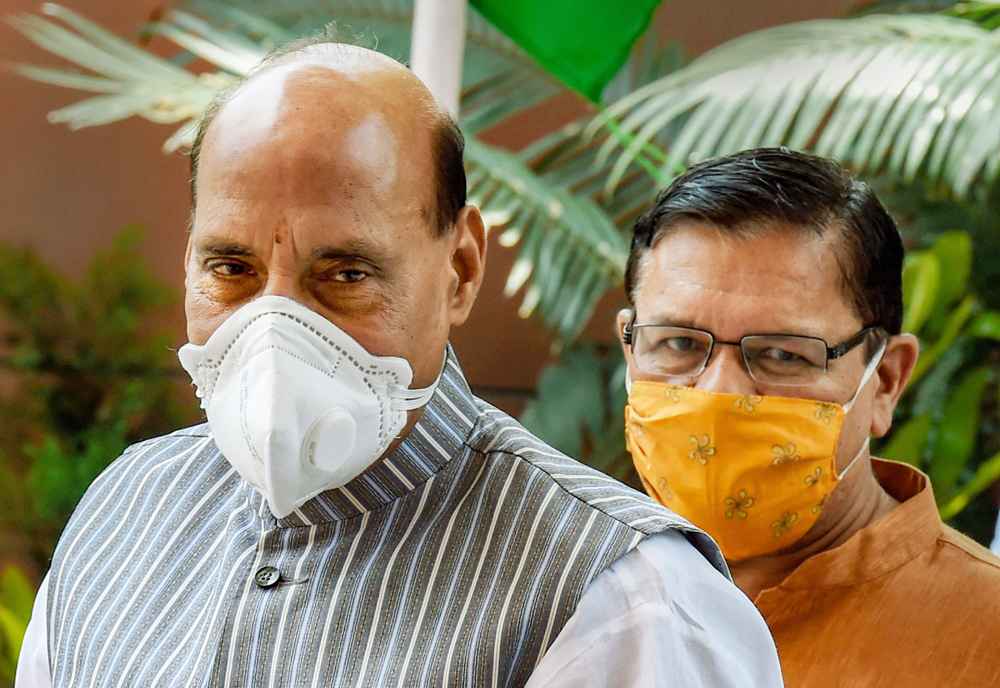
(570, 252)
(499, 78)
(132, 81)
(909, 96)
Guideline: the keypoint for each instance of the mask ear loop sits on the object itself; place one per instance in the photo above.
(411, 399)
(869, 372)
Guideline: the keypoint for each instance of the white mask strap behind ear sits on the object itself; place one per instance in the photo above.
(869, 371)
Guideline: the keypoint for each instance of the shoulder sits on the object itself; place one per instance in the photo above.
(496, 435)
(661, 616)
(160, 453)
(971, 560)
(156, 466)
(152, 486)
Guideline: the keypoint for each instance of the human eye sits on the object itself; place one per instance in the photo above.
(680, 344)
(662, 350)
(777, 355)
(349, 276)
(228, 268)
(670, 341)
(785, 356)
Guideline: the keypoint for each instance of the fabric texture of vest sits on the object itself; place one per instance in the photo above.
(454, 562)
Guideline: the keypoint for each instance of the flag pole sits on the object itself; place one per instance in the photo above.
(438, 48)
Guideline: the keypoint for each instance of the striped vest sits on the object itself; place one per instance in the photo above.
(454, 562)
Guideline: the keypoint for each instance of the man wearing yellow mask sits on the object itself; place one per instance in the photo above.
(764, 349)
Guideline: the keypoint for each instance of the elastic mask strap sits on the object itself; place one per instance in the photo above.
(410, 399)
(628, 379)
(856, 457)
(869, 371)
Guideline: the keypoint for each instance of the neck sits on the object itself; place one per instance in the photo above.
(852, 506)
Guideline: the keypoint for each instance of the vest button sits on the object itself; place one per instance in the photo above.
(266, 576)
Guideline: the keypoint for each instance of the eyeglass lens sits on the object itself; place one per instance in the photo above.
(770, 359)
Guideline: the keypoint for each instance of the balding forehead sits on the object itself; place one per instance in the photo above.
(340, 57)
(343, 77)
(316, 96)
(343, 61)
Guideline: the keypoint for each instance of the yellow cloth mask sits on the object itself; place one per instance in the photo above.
(752, 471)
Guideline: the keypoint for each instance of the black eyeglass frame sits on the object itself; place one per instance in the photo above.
(832, 352)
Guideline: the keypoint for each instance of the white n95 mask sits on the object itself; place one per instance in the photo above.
(295, 404)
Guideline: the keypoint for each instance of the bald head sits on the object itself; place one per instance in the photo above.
(318, 97)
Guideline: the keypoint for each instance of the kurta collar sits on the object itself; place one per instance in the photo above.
(896, 538)
(443, 428)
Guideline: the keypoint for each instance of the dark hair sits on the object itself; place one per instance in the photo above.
(776, 188)
(447, 144)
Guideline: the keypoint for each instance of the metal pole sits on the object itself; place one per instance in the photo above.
(438, 48)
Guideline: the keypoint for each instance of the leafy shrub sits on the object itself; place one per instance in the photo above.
(86, 378)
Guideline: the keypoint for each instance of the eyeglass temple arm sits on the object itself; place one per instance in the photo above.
(842, 348)
(627, 330)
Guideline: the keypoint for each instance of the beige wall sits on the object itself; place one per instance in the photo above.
(68, 193)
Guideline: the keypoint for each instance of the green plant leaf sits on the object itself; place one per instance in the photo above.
(953, 327)
(986, 325)
(16, 591)
(16, 597)
(569, 400)
(987, 474)
(931, 392)
(906, 95)
(921, 283)
(499, 79)
(954, 254)
(12, 627)
(570, 252)
(909, 442)
(957, 432)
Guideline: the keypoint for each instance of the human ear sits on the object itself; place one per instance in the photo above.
(187, 259)
(901, 352)
(621, 321)
(468, 260)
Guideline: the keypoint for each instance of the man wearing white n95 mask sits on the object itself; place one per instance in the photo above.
(351, 515)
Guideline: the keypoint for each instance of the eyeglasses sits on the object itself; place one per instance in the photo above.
(771, 359)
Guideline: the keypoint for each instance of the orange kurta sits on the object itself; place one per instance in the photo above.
(907, 602)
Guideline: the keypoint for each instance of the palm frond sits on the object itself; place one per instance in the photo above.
(131, 81)
(570, 252)
(901, 7)
(499, 79)
(907, 96)
(986, 14)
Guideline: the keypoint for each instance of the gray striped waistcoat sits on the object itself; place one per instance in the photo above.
(454, 562)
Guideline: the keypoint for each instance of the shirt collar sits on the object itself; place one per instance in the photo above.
(888, 543)
(443, 428)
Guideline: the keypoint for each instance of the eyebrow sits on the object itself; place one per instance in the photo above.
(226, 250)
(353, 249)
(668, 321)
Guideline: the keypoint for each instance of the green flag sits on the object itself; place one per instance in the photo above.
(583, 42)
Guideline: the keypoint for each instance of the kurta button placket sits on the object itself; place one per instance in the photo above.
(266, 576)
